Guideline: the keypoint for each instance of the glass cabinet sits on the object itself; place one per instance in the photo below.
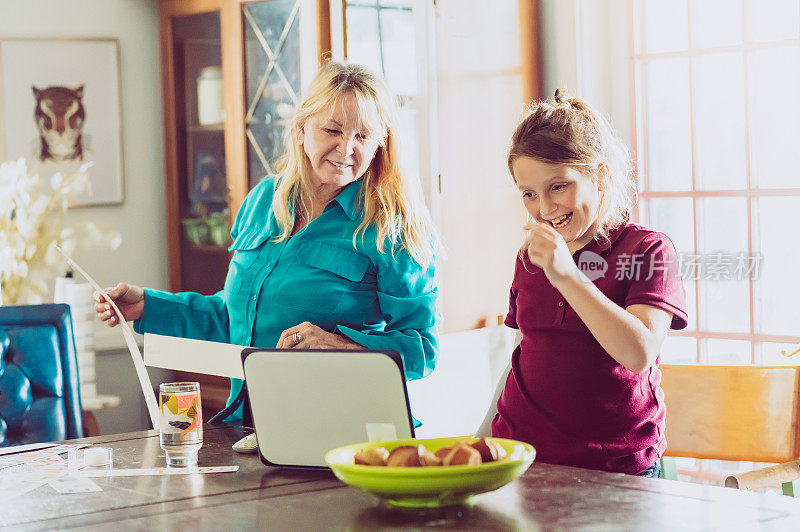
(233, 71)
(202, 188)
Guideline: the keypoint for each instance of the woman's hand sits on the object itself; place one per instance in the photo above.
(548, 250)
(128, 298)
(309, 336)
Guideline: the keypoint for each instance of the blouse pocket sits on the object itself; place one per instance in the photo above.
(326, 274)
(246, 249)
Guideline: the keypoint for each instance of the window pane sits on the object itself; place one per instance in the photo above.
(777, 287)
(668, 136)
(772, 20)
(675, 218)
(723, 224)
(725, 307)
(690, 287)
(679, 350)
(362, 37)
(459, 26)
(397, 3)
(769, 354)
(271, 18)
(399, 53)
(270, 100)
(665, 25)
(396, 37)
(719, 105)
(724, 300)
(728, 352)
(774, 115)
(716, 23)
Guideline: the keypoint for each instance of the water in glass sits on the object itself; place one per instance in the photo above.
(181, 422)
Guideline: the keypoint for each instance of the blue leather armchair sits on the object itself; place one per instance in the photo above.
(39, 386)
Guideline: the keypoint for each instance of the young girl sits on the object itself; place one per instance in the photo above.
(593, 297)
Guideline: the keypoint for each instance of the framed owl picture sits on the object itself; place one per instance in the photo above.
(60, 109)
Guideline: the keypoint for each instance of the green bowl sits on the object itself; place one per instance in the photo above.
(430, 486)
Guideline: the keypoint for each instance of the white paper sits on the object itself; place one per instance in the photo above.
(199, 356)
(65, 485)
(29, 475)
(24, 448)
(156, 471)
(127, 333)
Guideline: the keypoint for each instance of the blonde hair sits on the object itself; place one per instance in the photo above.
(387, 200)
(570, 132)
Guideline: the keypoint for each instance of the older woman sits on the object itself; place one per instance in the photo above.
(335, 251)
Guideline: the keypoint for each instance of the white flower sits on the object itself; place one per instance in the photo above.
(56, 180)
(32, 224)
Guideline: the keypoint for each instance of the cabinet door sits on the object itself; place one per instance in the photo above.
(280, 54)
(197, 178)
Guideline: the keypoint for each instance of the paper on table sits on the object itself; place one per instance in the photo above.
(199, 356)
(157, 471)
(24, 448)
(68, 484)
(25, 477)
(38, 455)
(127, 333)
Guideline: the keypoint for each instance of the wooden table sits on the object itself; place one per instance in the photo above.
(259, 497)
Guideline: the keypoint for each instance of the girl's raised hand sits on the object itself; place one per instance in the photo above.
(547, 249)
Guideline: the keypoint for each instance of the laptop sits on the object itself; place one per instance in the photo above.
(306, 402)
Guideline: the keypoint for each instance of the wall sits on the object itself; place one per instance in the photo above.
(480, 213)
(142, 258)
(584, 47)
(585, 50)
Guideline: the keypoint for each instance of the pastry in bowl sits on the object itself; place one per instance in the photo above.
(415, 479)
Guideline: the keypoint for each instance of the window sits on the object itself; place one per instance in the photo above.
(382, 35)
(717, 127)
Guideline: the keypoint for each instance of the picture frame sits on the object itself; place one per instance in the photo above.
(61, 108)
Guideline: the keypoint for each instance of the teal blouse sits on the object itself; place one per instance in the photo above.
(377, 300)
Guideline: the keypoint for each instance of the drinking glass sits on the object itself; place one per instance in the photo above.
(181, 422)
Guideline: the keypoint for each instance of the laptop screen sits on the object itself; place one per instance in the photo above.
(307, 402)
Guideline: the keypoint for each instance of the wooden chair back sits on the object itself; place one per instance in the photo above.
(741, 413)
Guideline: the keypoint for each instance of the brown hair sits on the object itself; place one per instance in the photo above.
(568, 131)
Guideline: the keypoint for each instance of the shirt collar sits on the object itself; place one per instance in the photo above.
(348, 199)
(601, 246)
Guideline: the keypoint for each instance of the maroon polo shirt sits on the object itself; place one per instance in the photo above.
(565, 395)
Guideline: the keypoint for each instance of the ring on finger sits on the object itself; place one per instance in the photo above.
(297, 338)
